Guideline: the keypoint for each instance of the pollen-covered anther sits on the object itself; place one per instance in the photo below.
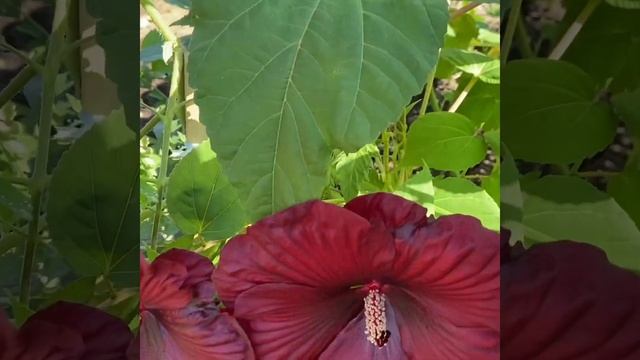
(375, 317)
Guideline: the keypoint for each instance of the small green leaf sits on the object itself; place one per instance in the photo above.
(627, 106)
(553, 113)
(354, 169)
(201, 200)
(419, 189)
(492, 138)
(491, 184)
(625, 189)
(569, 208)
(93, 203)
(482, 105)
(21, 312)
(486, 68)
(445, 141)
(461, 196)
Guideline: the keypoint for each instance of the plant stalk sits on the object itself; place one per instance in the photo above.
(39, 176)
(574, 29)
(174, 102)
(463, 95)
(512, 22)
(427, 91)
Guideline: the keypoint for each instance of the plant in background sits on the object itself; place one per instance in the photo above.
(571, 90)
(68, 183)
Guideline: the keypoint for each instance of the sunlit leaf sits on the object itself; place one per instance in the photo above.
(200, 198)
(279, 85)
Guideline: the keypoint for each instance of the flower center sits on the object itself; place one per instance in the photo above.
(375, 317)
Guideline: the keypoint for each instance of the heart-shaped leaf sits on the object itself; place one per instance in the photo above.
(281, 84)
(445, 141)
(552, 112)
(201, 200)
(93, 202)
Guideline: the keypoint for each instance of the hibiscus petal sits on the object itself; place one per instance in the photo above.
(174, 279)
(314, 244)
(564, 300)
(449, 275)
(194, 334)
(352, 342)
(399, 216)
(69, 331)
(288, 321)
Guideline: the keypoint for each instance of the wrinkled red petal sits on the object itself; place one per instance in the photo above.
(352, 343)
(8, 334)
(314, 244)
(399, 216)
(194, 334)
(564, 300)
(287, 321)
(71, 331)
(447, 285)
(174, 279)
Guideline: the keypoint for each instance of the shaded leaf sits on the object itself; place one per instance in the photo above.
(569, 208)
(546, 103)
(93, 202)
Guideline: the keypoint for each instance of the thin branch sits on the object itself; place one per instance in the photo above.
(574, 29)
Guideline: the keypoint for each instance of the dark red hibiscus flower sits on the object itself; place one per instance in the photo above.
(180, 320)
(66, 331)
(565, 301)
(376, 279)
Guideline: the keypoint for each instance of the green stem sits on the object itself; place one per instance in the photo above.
(386, 158)
(433, 100)
(427, 91)
(524, 43)
(514, 14)
(39, 176)
(574, 29)
(173, 104)
(150, 125)
(465, 9)
(463, 95)
(17, 84)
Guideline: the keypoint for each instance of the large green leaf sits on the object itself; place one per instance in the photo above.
(625, 4)
(569, 208)
(93, 202)
(461, 196)
(280, 83)
(446, 141)
(200, 198)
(552, 112)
